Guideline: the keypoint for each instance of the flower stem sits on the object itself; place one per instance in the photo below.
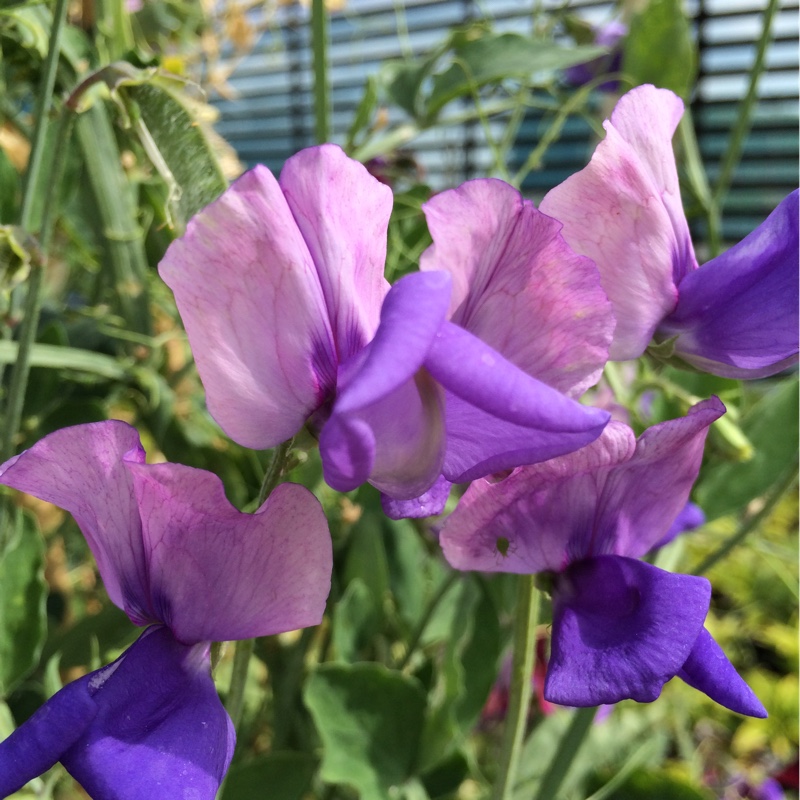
(241, 662)
(527, 613)
(322, 96)
(274, 470)
(570, 743)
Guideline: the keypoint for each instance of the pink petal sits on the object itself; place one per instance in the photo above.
(218, 574)
(343, 215)
(82, 470)
(518, 286)
(541, 516)
(255, 312)
(624, 211)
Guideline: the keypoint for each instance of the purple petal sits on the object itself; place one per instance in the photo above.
(690, 518)
(737, 316)
(624, 212)
(218, 574)
(428, 504)
(643, 496)
(160, 730)
(387, 424)
(539, 518)
(621, 629)
(709, 671)
(544, 422)
(343, 214)
(82, 470)
(255, 312)
(518, 286)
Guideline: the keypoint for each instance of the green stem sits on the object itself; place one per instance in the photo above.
(241, 662)
(274, 470)
(746, 109)
(444, 588)
(33, 300)
(527, 613)
(749, 525)
(570, 743)
(322, 96)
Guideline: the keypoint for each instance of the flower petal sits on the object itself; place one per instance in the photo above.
(621, 629)
(160, 731)
(709, 671)
(540, 517)
(624, 212)
(737, 316)
(688, 519)
(427, 504)
(343, 214)
(82, 470)
(387, 425)
(255, 312)
(643, 496)
(486, 390)
(218, 574)
(518, 286)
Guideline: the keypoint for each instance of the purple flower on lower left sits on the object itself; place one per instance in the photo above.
(178, 558)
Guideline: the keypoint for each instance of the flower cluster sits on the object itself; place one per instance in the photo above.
(468, 370)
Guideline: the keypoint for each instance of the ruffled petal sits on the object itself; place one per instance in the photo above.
(643, 496)
(217, 573)
(82, 470)
(538, 518)
(518, 286)
(708, 670)
(160, 730)
(484, 381)
(343, 214)
(255, 312)
(428, 504)
(624, 212)
(737, 316)
(621, 629)
(387, 425)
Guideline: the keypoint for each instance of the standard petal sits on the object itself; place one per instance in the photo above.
(255, 312)
(343, 214)
(737, 316)
(43, 738)
(160, 731)
(428, 504)
(621, 629)
(708, 670)
(387, 425)
(518, 286)
(82, 470)
(643, 496)
(624, 212)
(540, 517)
(218, 574)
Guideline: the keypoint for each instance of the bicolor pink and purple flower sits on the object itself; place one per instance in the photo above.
(179, 559)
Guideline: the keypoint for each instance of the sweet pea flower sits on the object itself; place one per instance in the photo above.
(178, 558)
(621, 627)
(611, 35)
(735, 316)
(280, 287)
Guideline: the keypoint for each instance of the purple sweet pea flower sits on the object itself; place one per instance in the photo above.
(735, 316)
(611, 35)
(621, 627)
(177, 557)
(280, 286)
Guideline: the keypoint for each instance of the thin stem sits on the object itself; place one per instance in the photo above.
(527, 613)
(570, 743)
(274, 470)
(241, 662)
(749, 525)
(444, 588)
(746, 109)
(322, 96)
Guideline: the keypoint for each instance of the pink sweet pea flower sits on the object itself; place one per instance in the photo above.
(280, 286)
(737, 315)
(177, 557)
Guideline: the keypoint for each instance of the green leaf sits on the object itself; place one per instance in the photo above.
(771, 426)
(23, 591)
(369, 101)
(659, 48)
(370, 720)
(288, 776)
(54, 357)
(653, 785)
(355, 621)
